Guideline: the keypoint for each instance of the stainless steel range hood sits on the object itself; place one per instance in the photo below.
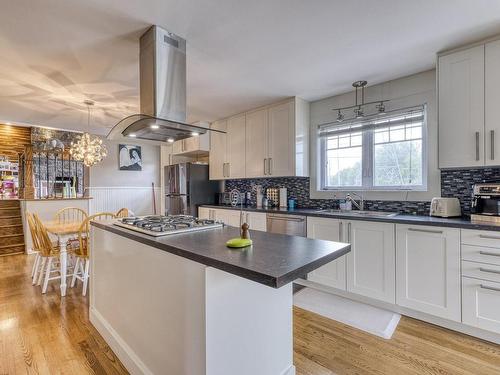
(162, 92)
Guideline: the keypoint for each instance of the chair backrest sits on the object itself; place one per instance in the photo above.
(123, 212)
(45, 244)
(84, 232)
(70, 215)
(33, 231)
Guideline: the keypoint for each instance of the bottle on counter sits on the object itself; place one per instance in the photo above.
(265, 202)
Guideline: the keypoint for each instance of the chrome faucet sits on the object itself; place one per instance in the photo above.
(361, 205)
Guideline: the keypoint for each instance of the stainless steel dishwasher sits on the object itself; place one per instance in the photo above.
(292, 225)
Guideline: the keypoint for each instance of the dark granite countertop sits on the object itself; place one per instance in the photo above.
(273, 259)
(460, 222)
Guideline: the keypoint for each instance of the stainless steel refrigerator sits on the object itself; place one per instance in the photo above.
(187, 186)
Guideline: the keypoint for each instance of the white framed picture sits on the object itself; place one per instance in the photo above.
(129, 157)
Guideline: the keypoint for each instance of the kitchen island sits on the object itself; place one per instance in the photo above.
(185, 304)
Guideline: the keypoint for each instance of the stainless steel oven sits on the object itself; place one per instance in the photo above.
(293, 225)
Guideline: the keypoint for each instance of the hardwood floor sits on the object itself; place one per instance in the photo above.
(44, 335)
(324, 347)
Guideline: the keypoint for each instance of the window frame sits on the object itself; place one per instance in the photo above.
(367, 164)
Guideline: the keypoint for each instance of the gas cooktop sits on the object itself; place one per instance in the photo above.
(158, 225)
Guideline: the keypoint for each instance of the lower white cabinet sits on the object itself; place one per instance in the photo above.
(428, 270)
(255, 220)
(332, 274)
(481, 304)
(371, 262)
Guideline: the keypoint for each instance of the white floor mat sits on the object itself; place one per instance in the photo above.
(370, 319)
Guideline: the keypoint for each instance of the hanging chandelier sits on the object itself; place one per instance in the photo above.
(88, 148)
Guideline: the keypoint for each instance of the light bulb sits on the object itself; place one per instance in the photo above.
(154, 126)
(170, 140)
(133, 135)
(194, 134)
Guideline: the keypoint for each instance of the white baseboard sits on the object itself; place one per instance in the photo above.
(126, 355)
(455, 326)
(289, 371)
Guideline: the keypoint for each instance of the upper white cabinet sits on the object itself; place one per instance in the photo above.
(257, 147)
(371, 264)
(492, 99)
(269, 141)
(332, 274)
(218, 151)
(461, 108)
(428, 270)
(235, 166)
(468, 98)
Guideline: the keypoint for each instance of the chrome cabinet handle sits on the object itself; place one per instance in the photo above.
(340, 230)
(228, 169)
(488, 271)
(286, 219)
(492, 144)
(270, 166)
(477, 145)
(349, 232)
(425, 230)
(489, 288)
(489, 237)
(488, 253)
(265, 166)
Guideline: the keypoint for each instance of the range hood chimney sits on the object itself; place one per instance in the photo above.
(162, 67)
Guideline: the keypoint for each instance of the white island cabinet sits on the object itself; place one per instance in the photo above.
(428, 270)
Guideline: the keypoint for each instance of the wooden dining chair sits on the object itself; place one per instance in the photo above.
(123, 212)
(81, 250)
(35, 247)
(70, 215)
(49, 254)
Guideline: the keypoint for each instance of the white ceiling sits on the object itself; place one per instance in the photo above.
(241, 53)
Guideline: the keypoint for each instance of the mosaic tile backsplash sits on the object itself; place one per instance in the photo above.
(454, 183)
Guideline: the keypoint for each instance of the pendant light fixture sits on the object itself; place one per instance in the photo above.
(88, 148)
(359, 103)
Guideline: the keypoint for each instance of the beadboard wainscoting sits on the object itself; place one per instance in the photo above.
(112, 198)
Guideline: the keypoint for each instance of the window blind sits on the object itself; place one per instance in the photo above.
(408, 117)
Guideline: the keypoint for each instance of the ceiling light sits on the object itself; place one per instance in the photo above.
(154, 126)
(340, 116)
(170, 140)
(88, 148)
(133, 135)
(381, 108)
(195, 134)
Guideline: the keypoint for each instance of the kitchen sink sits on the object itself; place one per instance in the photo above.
(362, 213)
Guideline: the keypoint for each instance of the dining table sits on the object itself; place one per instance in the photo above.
(64, 231)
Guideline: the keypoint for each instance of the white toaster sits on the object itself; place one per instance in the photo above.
(445, 207)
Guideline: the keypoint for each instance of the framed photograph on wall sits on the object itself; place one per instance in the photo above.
(129, 157)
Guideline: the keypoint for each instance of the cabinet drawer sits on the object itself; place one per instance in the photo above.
(481, 254)
(481, 271)
(481, 304)
(481, 238)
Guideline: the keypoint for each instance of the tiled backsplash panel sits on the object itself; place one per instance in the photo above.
(458, 183)
(298, 188)
(454, 183)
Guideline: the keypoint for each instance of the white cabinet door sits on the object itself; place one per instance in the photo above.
(218, 150)
(256, 220)
(332, 274)
(256, 143)
(204, 213)
(428, 270)
(371, 263)
(492, 99)
(461, 108)
(481, 304)
(282, 140)
(228, 217)
(236, 147)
